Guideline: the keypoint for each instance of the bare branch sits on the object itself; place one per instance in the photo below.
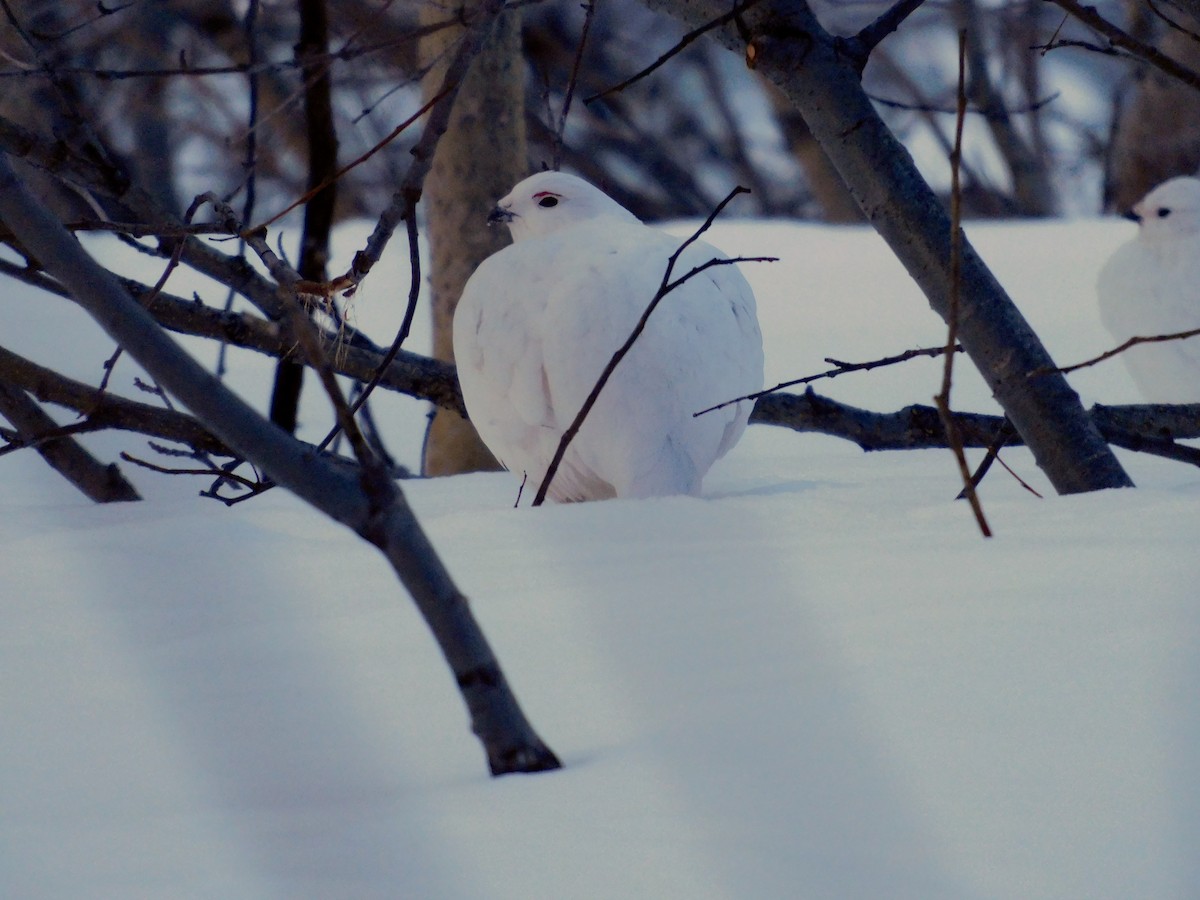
(589, 12)
(221, 473)
(1116, 351)
(870, 37)
(943, 397)
(690, 38)
(982, 112)
(839, 368)
(108, 410)
(407, 373)
(1127, 42)
(919, 427)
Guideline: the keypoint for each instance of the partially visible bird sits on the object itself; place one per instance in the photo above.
(1151, 286)
(538, 322)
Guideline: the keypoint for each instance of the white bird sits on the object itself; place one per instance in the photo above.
(1151, 286)
(538, 322)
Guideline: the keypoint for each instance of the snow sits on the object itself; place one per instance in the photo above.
(817, 680)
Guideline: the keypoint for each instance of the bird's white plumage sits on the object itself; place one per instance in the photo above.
(1151, 286)
(538, 321)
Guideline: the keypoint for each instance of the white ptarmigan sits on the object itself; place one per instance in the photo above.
(1151, 286)
(539, 320)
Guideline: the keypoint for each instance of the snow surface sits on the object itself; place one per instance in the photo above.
(815, 681)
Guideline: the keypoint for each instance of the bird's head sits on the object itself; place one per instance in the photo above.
(1170, 211)
(551, 201)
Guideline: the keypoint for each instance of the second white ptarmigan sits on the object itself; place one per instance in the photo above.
(1151, 286)
(538, 322)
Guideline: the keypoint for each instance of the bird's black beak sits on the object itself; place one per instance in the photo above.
(500, 215)
(1130, 215)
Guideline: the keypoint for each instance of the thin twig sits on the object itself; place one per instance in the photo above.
(167, 470)
(148, 300)
(689, 38)
(942, 400)
(840, 368)
(1109, 354)
(589, 12)
(1122, 39)
(974, 111)
(350, 166)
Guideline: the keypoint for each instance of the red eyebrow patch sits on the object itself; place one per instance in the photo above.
(546, 194)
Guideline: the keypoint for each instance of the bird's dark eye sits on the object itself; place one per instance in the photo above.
(548, 202)
(1163, 212)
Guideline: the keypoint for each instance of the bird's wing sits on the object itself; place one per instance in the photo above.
(498, 351)
(1145, 291)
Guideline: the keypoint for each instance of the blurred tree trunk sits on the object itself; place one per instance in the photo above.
(1032, 189)
(1157, 131)
(479, 158)
(829, 191)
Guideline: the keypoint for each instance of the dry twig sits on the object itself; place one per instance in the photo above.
(943, 397)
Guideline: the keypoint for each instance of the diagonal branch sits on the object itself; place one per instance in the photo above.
(377, 512)
(873, 34)
(589, 13)
(1117, 37)
(690, 38)
(839, 368)
(1116, 351)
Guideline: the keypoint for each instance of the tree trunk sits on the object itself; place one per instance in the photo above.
(479, 158)
(821, 76)
(311, 52)
(1157, 133)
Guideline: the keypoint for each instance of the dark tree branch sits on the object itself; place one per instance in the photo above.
(107, 411)
(407, 373)
(97, 481)
(1127, 42)
(988, 113)
(318, 213)
(919, 427)
(690, 38)
(872, 35)
(377, 512)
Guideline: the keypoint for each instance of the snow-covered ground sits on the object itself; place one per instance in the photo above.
(817, 681)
